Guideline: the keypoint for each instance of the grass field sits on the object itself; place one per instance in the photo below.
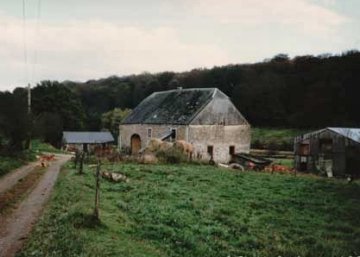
(39, 146)
(194, 210)
(274, 138)
(8, 163)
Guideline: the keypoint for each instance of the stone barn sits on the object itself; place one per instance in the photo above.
(204, 117)
(335, 151)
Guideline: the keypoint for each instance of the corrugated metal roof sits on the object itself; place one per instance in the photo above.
(351, 133)
(86, 137)
(171, 107)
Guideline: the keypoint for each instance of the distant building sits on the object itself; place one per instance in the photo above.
(85, 140)
(204, 117)
(333, 150)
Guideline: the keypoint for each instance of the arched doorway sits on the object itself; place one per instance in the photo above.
(135, 144)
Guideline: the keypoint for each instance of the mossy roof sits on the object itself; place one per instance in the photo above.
(171, 107)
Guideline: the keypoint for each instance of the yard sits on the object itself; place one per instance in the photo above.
(195, 210)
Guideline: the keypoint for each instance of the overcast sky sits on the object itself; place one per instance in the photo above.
(88, 39)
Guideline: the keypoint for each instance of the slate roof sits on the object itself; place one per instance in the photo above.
(177, 107)
(85, 137)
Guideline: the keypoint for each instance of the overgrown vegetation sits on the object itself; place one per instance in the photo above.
(12, 196)
(8, 163)
(274, 138)
(303, 92)
(188, 210)
(39, 146)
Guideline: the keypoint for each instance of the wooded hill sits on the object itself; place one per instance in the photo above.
(303, 92)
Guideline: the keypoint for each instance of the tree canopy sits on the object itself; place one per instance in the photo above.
(301, 92)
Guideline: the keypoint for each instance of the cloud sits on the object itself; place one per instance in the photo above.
(80, 50)
(302, 14)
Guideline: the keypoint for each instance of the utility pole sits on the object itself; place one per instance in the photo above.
(29, 99)
(28, 143)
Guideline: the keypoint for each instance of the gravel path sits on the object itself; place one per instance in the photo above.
(10, 179)
(18, 225)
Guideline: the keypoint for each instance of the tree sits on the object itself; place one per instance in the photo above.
(56, 108)
(14, 121)
(112, 119)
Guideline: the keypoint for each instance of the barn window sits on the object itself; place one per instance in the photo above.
(210, 150)
(149, 132)
(231, 149)
(304, 149)
(173, 134)
(326, 145)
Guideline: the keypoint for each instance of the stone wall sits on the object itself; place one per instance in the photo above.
(200, 136)
(221, 138)
(157, 131)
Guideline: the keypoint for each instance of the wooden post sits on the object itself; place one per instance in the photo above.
(81, 166)
(97, 191)
(76, 159)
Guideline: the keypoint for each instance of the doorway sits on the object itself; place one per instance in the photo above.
(135, 144)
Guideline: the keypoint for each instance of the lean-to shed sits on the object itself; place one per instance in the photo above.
(332, 150)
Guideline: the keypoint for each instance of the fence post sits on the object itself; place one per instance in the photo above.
(97, 191)
(81, 166)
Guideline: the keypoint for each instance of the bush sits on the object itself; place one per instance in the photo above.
(172, 155)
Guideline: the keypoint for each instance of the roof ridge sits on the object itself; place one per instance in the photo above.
(176, 106)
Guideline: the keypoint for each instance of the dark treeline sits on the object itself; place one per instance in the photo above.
(303, 92)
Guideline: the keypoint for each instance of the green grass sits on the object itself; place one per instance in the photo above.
(285, 162)
(8, 163)
(274, 138)
(194, 210)
(39, 146)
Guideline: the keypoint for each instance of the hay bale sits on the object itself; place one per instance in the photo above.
(148, 159)
(165, 146)
(153, 145)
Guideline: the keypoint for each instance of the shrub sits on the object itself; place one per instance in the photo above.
(172, 155)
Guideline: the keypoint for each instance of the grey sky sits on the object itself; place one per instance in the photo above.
(86, 39)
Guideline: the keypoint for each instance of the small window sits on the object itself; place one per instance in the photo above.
(210, 150)
(304, 149)
(173, 134)
(326, 145)
(232, 150)
(149, 132)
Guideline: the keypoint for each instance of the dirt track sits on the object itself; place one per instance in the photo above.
(10, 179)
(16, 227)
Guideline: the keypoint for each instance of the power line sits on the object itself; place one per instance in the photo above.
(25, 40)
(37, 25)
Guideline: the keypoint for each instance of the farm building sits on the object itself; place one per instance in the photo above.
(85, 140)
(335, 151)
(204, 117)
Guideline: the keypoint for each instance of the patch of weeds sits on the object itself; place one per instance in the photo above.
(87, 221)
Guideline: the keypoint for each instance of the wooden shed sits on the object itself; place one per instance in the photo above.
(335, 151)
(83, 140)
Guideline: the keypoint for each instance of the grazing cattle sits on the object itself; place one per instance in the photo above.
(185, 148)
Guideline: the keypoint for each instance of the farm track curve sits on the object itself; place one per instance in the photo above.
(16, 227)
